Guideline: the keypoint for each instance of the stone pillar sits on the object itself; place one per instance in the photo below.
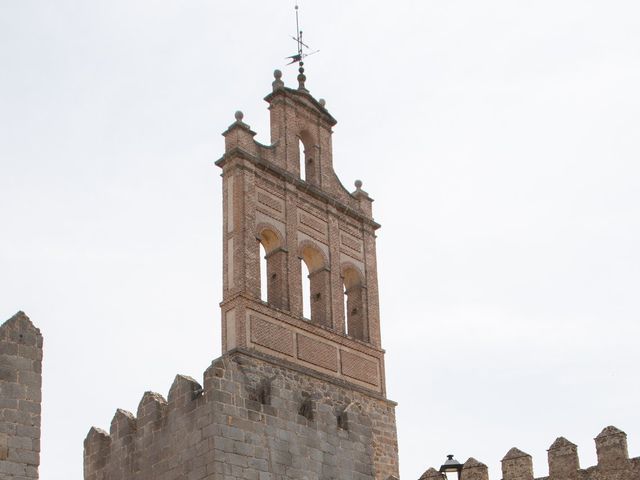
(611, 447)
(432, 474)
(474, 470)
(20, 398)
(563, 460)
(97, 448)
(517, 465)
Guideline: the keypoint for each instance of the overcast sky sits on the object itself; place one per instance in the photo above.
(499, 140)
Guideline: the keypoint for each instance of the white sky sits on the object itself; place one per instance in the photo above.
(499, 139)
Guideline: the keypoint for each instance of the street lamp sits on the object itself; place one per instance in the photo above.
(451, 465)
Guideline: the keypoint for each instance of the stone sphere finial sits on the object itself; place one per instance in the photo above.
(239, 116)
(322, 102)
(358, 184)
(277, 83)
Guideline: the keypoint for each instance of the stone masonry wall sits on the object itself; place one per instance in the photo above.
(20, 397)
(613, 462)
(257, 418)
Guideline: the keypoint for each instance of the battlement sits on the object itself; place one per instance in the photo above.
(613, 462)
(253, 417)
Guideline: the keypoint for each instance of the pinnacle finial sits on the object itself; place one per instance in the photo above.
(358, 184)
(322, 102)
(239, 116)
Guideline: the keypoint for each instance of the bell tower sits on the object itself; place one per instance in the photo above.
(287, 198)
(295, 395)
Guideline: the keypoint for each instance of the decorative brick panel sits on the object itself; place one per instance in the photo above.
(314, 223)
(351, 229)
(359, 368)
(317, 353)
(271, 336)
(270, 201)
(351, 242)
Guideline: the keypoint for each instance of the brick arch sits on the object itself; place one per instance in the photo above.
(306, 137)
(311, 253)
(351, 275)
(355, 301)
(317, 263)
(274, 265)
(309, 156)
(270, 236)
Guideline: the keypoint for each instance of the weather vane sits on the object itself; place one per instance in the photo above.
(303, 49)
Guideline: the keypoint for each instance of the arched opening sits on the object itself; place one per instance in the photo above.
(319, 282)
(303, 159)
(273, 270)
(263, 274)
(308, 162)
(355, 304)
(306, 292)
(345, 311)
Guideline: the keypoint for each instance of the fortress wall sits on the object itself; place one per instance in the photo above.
(256, 418)
(20, 398)
(613, 462)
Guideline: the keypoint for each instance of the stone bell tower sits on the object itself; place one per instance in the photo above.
(294, 396)
(287, 197)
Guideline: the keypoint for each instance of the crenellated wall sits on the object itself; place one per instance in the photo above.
(613, 462)
(255, 418)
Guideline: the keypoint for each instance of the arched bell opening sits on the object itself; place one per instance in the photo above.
(309, 166)
(317, 296)
(273, 269)
(355, 304)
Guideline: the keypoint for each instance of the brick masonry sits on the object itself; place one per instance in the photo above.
(20, 398)
(317, 353)
(299, 219)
